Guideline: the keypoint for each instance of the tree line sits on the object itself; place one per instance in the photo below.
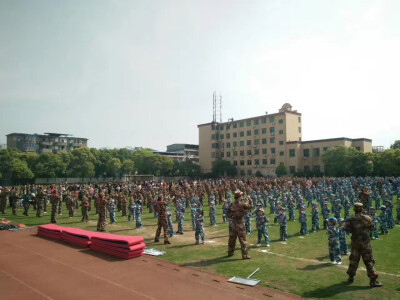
(91, 162)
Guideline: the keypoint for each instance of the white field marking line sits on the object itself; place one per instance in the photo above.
(119, 285)
(83, 271)
(27, 285)
(321, 263)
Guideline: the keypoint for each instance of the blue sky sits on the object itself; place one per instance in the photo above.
(142, 73)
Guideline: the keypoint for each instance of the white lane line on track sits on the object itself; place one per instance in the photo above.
(27, 285)
(83, 271)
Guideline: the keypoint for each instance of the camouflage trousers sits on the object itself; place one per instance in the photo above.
(199, 233)
(3, 205)
(262, 231)
(39, 207)
(59, 207)
(164, 225)
(70, 210)
(238, 231)
(303, 228)
(26, 208)
(101, 222)
(85, 215)
(334, 251)
(123, 208)
(53, 213)
(315, 225)
(363, 250)
(283, 232)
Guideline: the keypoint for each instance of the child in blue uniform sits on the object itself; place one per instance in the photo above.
(262, 227)
(303, 221)
(199, 227)
(333, 238)
(342, 238)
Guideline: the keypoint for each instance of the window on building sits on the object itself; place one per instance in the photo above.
(316, 152)
(257, 162)
(264, 141)
(299, 118)
(234, 125)
(307, 168)
(264, 130)
(306, 152)
(248, 132)
(248, 142)
(228, 154)
(241, 134)
(234, 153)
(235, 162)
(292, 169)
(264, 161)
(264, 151)
(235, 134)
(228, 126)
(272, 140)
(213, 154)
(272, 161)
(281, 153)
(256, 142)
(273, 151)
(242, 172)
(358, 148)
(272, 130)
(234, 144)
(222, 154)
(249, 172)
(280, 131)
(221, 136)
(248, 123)
(255, 122)
(249, 162)
(241, 143)
(256, 131)
(228, 145)
(272, 120)
(264, 120)
(242, 162)
(215, 145)
(280, 142)
(228, 135)
(325, 148)
(241, 152)
(256, 151)
(316, 169)
(221, 127)
(241, 124)
(248, 152)
(280, 121)
(299, 129)
(292, 152)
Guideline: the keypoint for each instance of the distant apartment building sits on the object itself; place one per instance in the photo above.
(44, 143)
(189, 151)
(263, 143)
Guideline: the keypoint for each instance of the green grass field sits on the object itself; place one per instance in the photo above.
(301, 266)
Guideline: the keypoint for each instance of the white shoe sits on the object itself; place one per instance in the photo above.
(268, 245)
(258, 245)
(339, 263)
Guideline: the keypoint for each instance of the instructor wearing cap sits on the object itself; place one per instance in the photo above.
(236, 211)
(359, 226)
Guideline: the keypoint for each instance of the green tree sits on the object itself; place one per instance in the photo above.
(20, 169)
(395, 145)
(82, 163)
(223, 168)
(337, 161)
(49, 165)
(113, 167)
(128, 167)
(280, 170)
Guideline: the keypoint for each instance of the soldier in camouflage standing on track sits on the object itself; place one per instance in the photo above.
(3, 200)
(85, 208)
(236, 211)
(359, 226)
(161, 209)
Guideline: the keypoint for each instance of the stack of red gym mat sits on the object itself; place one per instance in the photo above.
(118, 245)
(51, 231)
(77, 236)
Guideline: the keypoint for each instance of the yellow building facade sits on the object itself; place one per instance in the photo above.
(263, 143)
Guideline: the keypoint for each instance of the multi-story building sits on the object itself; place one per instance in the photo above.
(189, 151)
(44, 143)
(262, 143)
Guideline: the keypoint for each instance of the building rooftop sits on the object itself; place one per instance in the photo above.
(330, 140)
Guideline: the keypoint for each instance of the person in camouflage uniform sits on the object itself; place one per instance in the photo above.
(161, 209)
(3, 200)
(359, 226)
(236, 211)
(102, 210)
(85, 208)
(364, 198)
(13, 201)
(55, 200)
(39, 202)
(70, 204)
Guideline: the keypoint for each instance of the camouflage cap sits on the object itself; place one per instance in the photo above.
(358, 206)
(332, 219)
(238, 193)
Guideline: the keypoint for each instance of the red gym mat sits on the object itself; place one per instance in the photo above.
(122, 240)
